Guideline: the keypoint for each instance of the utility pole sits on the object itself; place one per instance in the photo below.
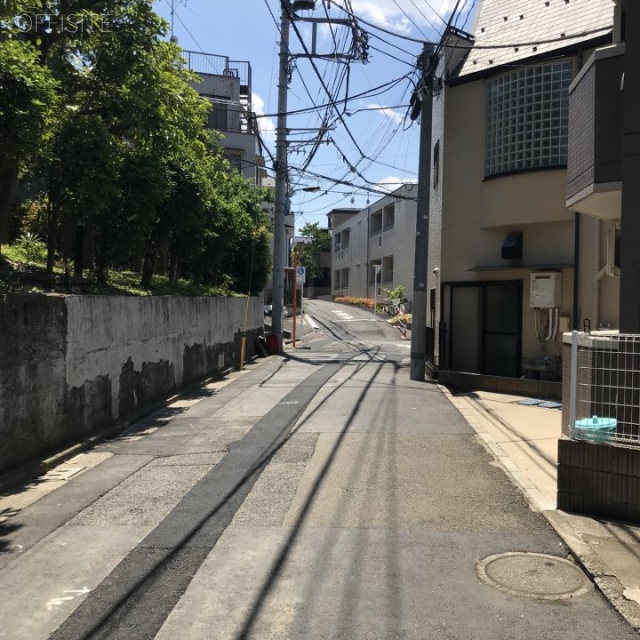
(419, 306)
(281, 177)
(359, 49)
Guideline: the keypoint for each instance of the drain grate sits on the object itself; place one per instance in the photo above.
(534, 575)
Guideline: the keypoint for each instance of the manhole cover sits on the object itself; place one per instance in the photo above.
(533, 575)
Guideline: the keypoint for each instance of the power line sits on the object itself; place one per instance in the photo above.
(410, 19)
(569, 36)
(369, 93)
(437, 14)
(389, 55)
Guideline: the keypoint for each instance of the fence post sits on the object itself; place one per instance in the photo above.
(573, 389)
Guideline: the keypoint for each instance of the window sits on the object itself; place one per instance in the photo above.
(235, 162)
(389, 217)
(527, 118)
(218, 116)
(376, 223)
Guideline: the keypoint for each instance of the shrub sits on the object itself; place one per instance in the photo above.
(367, 303)
(396, 294)
(32, 247)
(405, 318)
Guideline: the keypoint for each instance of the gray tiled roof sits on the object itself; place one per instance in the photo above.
(520, 21)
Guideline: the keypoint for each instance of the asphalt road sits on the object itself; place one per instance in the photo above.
(319, 495)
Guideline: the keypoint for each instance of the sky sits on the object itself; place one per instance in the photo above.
(369, 145)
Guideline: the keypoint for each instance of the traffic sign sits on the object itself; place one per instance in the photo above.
(301, 275)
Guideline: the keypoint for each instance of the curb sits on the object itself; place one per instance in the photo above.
(604, 579)
(585, 556)
(37, 467)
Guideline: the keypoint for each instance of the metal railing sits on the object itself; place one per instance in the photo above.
(215, 65)
(604, 391)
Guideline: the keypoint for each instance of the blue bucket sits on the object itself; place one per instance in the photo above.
(595, 429)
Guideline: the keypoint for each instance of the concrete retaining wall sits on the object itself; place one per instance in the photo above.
(70, 365)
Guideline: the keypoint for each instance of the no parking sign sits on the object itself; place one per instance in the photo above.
(301, 275)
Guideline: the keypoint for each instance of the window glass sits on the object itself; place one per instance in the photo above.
(527, 118)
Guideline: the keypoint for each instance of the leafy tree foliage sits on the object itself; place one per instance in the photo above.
(99, 114)
(318, 240)
(28, 101)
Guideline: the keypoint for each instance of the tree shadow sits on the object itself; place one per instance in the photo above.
(6, 529)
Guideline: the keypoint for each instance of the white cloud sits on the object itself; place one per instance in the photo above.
(391, 183)
(393, 115)
(387, 14)
(266, 125)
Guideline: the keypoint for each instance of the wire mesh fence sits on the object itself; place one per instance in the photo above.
(605, 387)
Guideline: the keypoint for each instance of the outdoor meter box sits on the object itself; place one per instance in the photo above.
(545, 290)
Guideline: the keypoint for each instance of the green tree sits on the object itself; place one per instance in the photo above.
(104, 119)
(126, 97)
(237, 237)
(80, 172)
(28, 103)
(317, 241)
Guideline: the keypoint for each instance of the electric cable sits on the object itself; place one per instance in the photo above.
(436, 13)
(569, 36)
(370, 93)
(408, 17)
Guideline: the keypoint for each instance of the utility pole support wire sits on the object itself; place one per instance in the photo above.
(419, 310)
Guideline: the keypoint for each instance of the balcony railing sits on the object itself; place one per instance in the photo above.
(219, 66)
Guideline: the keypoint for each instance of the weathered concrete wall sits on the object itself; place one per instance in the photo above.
(70, 365)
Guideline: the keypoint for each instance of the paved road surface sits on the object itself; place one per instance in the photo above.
(318, 495)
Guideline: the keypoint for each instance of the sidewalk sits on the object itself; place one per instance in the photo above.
(304, 325)
(524, 440)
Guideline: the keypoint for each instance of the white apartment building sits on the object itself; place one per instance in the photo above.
(382, 236)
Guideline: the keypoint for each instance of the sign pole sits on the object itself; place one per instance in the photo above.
(295, 292)
(376, 271)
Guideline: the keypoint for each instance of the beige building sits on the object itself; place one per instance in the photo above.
(377, 240)
(503, 245)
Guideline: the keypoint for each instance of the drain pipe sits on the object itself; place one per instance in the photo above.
(597, 276)
(576, 270)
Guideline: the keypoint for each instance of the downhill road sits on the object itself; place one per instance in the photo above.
(320, 494)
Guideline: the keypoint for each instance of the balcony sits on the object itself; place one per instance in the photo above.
(595, 136)
(209, 64)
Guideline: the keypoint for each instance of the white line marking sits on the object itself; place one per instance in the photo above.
(58, 602)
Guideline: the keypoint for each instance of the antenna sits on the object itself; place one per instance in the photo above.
(173, 37)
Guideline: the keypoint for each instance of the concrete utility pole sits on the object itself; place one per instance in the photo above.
(281, 176)
(630, 236)
(419, 304)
